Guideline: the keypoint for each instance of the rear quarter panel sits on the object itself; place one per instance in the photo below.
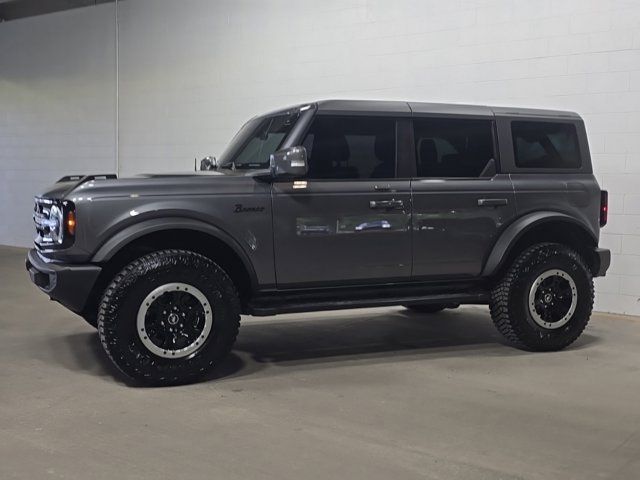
(577, 195)
(574, 192)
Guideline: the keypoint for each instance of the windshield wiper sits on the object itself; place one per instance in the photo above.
(250, 166)
(229, 166)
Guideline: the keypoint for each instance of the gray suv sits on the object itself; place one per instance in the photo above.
(331, 205)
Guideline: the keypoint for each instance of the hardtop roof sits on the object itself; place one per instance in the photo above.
(408, 108)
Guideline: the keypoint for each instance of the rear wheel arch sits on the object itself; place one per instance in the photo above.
(537, 228)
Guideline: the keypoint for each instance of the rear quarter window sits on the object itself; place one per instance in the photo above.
(545, 145)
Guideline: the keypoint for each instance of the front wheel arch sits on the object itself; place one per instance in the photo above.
(213, 247)
(133, 233)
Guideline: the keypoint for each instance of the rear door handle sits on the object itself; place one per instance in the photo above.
(386, 204)
(492, 202)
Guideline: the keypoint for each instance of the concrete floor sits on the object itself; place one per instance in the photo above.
(371, 394)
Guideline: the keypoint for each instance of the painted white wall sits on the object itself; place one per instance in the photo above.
(191, 72)
(57, 107)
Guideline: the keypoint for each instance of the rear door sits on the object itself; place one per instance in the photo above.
(348, 221)
(460, 203)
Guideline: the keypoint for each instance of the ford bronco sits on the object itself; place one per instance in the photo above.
(331, 205)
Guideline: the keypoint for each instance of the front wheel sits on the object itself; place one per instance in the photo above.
(544, 300)
(169, 317)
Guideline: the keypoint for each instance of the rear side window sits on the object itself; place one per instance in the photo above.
(453, 147)
(351, 147)
(545, 145)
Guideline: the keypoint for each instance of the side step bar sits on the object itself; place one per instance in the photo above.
(275, 305)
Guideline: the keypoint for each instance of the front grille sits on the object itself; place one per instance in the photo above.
(43, 222)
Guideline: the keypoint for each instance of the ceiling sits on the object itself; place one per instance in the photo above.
(15, 9)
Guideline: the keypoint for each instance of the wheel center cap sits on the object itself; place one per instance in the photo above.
(548, 298)
(173, 318)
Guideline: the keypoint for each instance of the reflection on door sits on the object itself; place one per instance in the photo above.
(350, 224)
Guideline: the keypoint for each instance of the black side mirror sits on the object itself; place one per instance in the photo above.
(209, 163)
(289, 163)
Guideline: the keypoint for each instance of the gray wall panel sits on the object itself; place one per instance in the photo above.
(57, 107)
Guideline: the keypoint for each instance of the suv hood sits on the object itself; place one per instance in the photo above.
(58, 190)
(164, 184)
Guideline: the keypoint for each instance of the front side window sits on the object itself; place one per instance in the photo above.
(545, 145)
(256, 141)
(351, 147)
(452, 147)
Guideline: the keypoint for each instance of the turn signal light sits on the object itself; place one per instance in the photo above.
(71, 222)
(604, 207)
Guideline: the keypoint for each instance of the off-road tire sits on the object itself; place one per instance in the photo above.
(429, 307)
(509, 302)
(122, 298)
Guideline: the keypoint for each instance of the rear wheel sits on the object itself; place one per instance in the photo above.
(430, 307)
(169, 317)
(545, 299)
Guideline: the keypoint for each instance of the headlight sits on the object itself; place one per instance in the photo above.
(56, 225)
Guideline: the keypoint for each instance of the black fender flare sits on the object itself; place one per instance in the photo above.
(516, 230)
(132, 232)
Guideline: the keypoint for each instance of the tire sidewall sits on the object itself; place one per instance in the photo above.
(119, 310)
(553, 256)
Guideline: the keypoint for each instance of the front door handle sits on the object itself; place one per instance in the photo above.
(386, 204)
(492, 202)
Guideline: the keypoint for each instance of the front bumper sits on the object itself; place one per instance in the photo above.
(68, 284)
(601, 261)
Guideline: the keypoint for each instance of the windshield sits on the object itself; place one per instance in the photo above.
(256, 141)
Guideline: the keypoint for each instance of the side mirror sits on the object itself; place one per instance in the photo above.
(209, 163)
(290, 162)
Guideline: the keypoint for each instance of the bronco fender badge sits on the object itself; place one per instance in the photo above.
(242, 209)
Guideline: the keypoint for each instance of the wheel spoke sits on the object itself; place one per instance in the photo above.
(552, 298)
(174, 320)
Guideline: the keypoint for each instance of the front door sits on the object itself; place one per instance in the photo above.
(460, 203)
(348, 221)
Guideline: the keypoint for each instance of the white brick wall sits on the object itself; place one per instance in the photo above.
(192, 71)
(230, 61)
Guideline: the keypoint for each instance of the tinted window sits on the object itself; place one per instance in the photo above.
(256, 141)
(452, 148)
(351, 147)
(545, 145)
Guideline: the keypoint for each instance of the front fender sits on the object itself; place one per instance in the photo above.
(502, 247)
(132, 232)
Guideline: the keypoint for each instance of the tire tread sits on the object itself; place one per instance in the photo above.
(141, 265)
(500, 295)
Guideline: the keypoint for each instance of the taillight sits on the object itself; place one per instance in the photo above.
(604, 207)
